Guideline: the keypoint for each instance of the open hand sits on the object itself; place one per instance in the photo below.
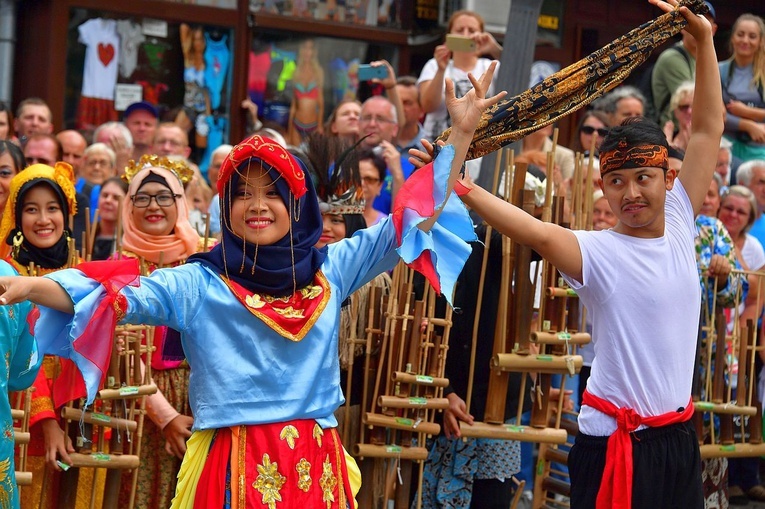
(466, 111)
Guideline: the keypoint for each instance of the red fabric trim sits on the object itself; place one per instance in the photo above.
(417, 195)
(460, 189)
(211, 490)
(616, 484)
(96, 342)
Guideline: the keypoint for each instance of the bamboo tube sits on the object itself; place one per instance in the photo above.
(396, 402)
(556, 455)
(390, 451)
(556, 486)
(718, 387)
(543, 363)
(20, 437)
(23, 478)
(561, 338)
(122, 462)
(75, 414)
(17, 414)
(513, 432)
(724, 408)
(410, 378)
(557, 291)
(731, 451)
(127, 392)
(429, 428)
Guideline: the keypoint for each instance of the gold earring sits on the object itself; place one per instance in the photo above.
(18, 239)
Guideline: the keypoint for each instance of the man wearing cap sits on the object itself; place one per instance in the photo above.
(142, 119)
(674, 66)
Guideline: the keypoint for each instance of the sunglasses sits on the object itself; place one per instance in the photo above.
(684, 107)
(588, 129)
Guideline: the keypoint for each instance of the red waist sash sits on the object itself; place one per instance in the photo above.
(616, 484)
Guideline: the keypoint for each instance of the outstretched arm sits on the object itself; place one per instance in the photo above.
(708, 110)
(40, 290)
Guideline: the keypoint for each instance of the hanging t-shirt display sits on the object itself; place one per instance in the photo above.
(100, 73)
(131, 38)
(217, 56)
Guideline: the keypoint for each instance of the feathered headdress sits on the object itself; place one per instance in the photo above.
(335, 165)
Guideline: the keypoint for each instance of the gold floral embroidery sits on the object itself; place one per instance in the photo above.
(311, 292)
(289, 312)
(5, 483)
(11, 313)
(289, 433)
(318, 433)
(328, 483)
(304, 475)
(269, 482)
(254, 301)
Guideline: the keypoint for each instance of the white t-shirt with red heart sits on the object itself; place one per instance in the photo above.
(101, 57)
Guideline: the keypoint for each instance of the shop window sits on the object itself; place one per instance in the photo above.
(379, 13)
(185, 71)
(303, 78)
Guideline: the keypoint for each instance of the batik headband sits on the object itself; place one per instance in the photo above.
(642, 156)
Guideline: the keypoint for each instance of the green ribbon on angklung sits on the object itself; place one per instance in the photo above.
(575, 86)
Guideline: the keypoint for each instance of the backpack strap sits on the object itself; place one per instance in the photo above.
(680, 49)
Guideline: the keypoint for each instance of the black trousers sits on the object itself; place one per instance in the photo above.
(666, 469)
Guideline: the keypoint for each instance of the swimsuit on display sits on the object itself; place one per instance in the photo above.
(310, 91)
(217, 56)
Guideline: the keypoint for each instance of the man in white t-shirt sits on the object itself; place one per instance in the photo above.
(639, 281)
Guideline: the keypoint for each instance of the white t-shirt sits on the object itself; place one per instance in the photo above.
(131, 37)
(644, 299)
(101, 57)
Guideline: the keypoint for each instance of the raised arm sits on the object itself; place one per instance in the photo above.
(708, 111)
(40, 290)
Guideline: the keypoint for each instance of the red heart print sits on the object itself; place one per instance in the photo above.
(105, 53)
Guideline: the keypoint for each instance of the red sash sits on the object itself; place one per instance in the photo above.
(616, 484)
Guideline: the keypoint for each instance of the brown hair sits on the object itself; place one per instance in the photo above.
(464, 12)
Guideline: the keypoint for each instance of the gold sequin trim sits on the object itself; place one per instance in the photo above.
(318, 433)
(328, 483)
(269, 482)
(242, 466)
(289, 433)
(304, 475)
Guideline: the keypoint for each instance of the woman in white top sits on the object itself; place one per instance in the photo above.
(455, 65)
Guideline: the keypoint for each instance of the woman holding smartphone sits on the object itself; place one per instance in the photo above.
(454, 60)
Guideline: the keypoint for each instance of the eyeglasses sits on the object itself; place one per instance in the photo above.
(367, 119)
(141, 201)
(172, 143)
(370, 180)
(588, 129)
(684, 107)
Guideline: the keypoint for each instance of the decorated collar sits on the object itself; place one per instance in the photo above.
(292, 316)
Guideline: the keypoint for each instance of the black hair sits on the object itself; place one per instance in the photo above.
(353, 223)
(634, 131)
(377, 161)
(15, 152)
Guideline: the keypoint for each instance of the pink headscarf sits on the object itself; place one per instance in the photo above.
(175, 247)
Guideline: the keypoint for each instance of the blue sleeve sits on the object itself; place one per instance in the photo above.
(26, 359)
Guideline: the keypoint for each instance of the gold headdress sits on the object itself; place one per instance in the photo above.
(178, 168)
(61, 174)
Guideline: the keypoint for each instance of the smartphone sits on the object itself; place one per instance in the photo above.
(366, 72)
(459, 43)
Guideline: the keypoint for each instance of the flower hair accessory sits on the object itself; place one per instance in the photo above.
(178, 168)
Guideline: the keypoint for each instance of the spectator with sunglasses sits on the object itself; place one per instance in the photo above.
(540, 141)
(593, 123)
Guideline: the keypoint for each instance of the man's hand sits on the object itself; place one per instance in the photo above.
(57, 444)
(176, 433)
(456, 412)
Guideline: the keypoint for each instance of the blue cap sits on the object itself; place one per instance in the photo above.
(711, 10)
(141, 106)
